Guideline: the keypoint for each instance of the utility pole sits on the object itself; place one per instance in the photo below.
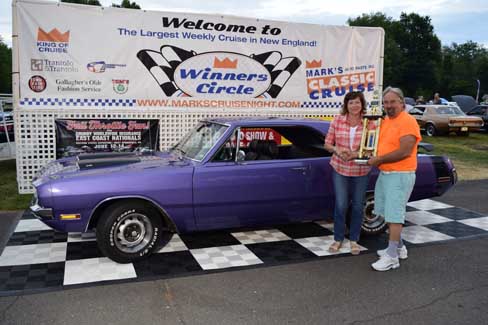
(477, 91)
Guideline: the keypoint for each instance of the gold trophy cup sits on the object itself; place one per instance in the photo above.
(371, 131)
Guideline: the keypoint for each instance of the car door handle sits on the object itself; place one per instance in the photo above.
(300, 169)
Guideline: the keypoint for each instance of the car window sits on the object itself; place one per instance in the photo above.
(475, 111)
(278, 143)
(273, 143)
(481, 110)
(198, 141)
(228, 150)
(417, 111)
(449, 110)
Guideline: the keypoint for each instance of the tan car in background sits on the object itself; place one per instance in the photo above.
(443, 119)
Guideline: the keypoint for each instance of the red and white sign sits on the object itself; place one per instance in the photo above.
(247, 135)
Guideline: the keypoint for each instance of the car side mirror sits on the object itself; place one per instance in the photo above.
(426, 146)
(241, 156)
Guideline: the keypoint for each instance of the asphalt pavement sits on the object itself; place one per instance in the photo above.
(444, 283)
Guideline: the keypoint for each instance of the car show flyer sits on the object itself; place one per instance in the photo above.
(115, 135)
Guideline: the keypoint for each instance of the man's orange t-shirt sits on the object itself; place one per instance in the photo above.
(391, 131)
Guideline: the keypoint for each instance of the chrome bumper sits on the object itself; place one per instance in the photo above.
(38, 211)
(41, 213)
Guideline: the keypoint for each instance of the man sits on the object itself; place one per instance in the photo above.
(397, 161)
(437, 99)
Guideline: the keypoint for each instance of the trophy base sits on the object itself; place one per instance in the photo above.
(361, 161)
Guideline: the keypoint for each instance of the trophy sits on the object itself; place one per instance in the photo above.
(371, 130)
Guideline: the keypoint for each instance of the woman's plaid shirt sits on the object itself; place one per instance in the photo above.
(338, 135)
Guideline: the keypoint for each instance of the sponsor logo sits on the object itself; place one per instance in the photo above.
(120, 85)
(330, 82)
(78, 86)
(222, 74)
(313, 64)
(101, 66)
(36, 65)
(53, 41)
(218, 74)
(53, 65)
(225, 63)
(37, 84)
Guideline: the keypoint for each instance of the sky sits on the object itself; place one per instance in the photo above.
(454, 20)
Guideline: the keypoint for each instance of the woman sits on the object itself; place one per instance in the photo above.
(350, 179)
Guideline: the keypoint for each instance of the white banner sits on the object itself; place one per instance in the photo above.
(88, 56)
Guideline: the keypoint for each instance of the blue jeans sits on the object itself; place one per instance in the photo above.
(348, 189)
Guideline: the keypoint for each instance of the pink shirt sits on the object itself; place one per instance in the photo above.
(339, 136)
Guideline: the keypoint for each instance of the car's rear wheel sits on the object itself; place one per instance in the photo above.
(372, 224)
(130, 230)
(430, 130)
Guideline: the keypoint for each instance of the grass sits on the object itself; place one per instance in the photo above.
(469, 154)
(10, 199)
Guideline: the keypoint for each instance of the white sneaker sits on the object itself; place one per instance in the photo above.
(402, 252)
(386, 263)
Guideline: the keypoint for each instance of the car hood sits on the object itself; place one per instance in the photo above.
(105, 163)
(465, 102)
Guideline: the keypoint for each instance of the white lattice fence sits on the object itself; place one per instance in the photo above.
(36, 135)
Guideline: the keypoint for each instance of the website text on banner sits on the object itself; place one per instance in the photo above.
(87, 57)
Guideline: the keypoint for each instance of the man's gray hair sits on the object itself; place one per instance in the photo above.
(396, 91)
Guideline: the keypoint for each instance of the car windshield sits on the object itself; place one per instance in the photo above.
(449, 110)
(198, 142)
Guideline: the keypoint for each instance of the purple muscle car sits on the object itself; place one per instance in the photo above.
(224, 173)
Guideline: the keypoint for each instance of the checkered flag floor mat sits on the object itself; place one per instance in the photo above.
(38, 258)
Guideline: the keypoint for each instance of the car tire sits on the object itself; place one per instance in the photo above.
(430, 130)
(372, 224)
(130, 230)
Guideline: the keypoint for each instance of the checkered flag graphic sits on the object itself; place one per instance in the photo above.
(161, 65)
(281, 69)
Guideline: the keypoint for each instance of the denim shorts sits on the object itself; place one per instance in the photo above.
(391, 195)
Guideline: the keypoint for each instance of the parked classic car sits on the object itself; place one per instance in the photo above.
(480, 111)
(225, 173)
(443, 119)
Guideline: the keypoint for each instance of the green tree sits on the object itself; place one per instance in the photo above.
(446, 71)
(412, 51)
(482, 74)
(84, 2)
(5, 68)
(469, 62)
(127, 4)
(393, 61)
(421, 50)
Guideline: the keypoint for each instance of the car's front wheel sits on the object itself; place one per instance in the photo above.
(130, 230)
(372, 224)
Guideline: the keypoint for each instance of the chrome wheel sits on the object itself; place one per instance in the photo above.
(133, 232)
(372, 224)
